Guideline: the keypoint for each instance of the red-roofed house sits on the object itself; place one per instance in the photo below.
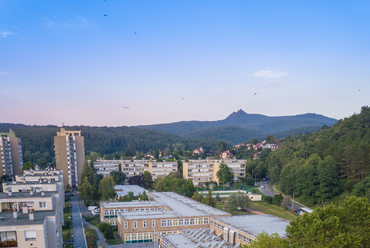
(226, 155)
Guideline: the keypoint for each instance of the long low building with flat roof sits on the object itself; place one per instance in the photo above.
(122, 190)
(245, 228)
(183, 212)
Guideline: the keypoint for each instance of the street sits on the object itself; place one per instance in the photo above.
(266, 190)
(78, 233)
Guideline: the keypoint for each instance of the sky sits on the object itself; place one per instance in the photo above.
(127, 63)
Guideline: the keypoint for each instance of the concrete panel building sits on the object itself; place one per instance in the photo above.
(11, 154)
(201, 172)
(161, 168)
(30, 229)
(70, 155)
(134, 168)
(49, 174)
(105, 167)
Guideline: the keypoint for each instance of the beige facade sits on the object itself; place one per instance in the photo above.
(204, 171)
(161, 168)
(11, 154)
(49, 174)
(32, 229)
(134, 168)
(180, 212)
(70, 155)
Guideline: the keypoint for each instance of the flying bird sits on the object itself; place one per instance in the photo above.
(125, 107)
(106, 15)
(255, 93)
(183, 99)
(135, 33)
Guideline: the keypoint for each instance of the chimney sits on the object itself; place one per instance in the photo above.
(15, 214)
(25, 210)
(31, 215)
(31, 192)
(42, 193)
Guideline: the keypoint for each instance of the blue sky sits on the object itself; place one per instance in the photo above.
(167, 61)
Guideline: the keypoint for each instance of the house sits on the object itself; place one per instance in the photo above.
(258, 145)
(256, 156)
(240, 145)
(273, 147)
(198, 151)
(226, 155)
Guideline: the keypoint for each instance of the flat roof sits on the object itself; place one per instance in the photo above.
(139, 204)
(149, 215)
(122, 190)
(7, 219)
(186, 206)
(29, 182)
(27, 195)
(255, 224)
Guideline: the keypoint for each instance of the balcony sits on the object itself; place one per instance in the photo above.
(9, 243)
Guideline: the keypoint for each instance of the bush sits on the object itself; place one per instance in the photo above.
(278, 199)
(103, 227)
(108, 234)
(268, 199)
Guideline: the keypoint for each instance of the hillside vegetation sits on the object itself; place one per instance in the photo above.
(322, 165)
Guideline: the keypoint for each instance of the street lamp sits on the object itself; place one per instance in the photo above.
(293, 199)
(255, 176)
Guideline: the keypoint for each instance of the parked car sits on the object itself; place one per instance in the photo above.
(95, 214)
(68, 194)
(91, 208)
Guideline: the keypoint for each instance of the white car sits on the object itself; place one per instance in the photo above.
(262, 186)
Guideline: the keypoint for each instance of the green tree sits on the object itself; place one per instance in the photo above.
(119, 177)
(143, 196)
(345, 225)
(167, 152)
(108, 234)
(239, 201)
(224, 174)
(222, 146)
(42, 163)
(106, 188)
(254, 141)
(196, 196)
(27, 166)
(148, 181)
(209, 200)
(327, 179)
(270, 139)
(103, 226)
(277, 199)
(264, 240)
(86, 190)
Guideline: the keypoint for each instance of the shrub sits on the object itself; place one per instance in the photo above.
(104, 226)
(268, 199)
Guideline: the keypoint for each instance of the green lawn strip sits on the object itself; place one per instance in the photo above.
(70, 245)
(95, 221)
(221, 205)
(92, 236)
(274, 210)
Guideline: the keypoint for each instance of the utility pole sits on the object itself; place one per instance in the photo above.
(255, 176)
(293, 199)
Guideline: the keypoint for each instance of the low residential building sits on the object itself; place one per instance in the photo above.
(105, 167)
(197, 151)
(243, 229)
(273, 147)
(134, 168)
(30, 229)
(201, 172)
(183, 212)
(226, 155)
(162, 168)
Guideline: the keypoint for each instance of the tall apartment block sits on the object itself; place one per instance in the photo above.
(69, 155)
(11, 154)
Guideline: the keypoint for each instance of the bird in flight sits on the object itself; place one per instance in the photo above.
(125, 107)
(183, 99)
(255, 93)
(135, 33)
(106, 15)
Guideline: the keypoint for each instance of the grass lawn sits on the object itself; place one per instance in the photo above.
(274, 210)
(222, 204)
(95, 221)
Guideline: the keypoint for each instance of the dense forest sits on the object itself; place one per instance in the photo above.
(322, 165)
(38, 141)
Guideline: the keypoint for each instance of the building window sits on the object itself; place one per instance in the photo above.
(163, 223)
(42, 204)
(159, 209)
(4, 236)
(126, 225)
(169, 222)
(30, 235)
(191, 221)
(186, 222)
(181, 222)
(144, 224)
(153, 223)
(135, 224)
(205, 220)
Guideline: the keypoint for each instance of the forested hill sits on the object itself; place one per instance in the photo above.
(38, 141)
(252, 122)
(325, 164)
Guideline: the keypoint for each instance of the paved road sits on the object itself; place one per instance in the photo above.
(266, 190)
(78, 233)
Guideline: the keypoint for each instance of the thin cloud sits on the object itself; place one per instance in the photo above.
(5, 34)
(268, 73)
(4, 73)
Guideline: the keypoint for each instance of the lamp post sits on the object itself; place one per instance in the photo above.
(255, 177)
(293, 199)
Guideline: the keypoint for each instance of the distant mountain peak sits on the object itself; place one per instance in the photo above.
(238, 113)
